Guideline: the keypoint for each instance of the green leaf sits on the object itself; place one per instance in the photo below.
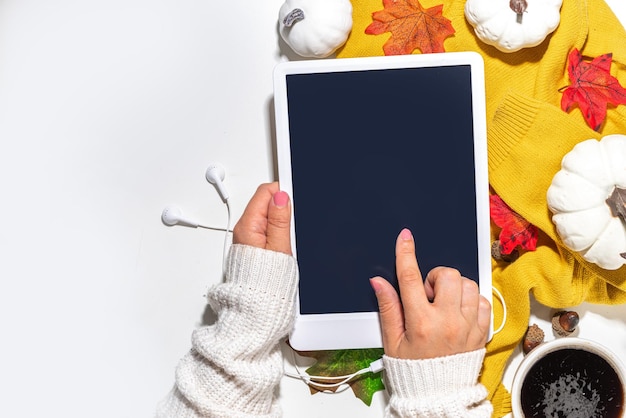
(345, 362)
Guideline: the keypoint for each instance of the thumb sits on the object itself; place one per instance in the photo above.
(279, 223)
(390, 309)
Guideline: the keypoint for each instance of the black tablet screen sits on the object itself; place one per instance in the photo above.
(373, 152)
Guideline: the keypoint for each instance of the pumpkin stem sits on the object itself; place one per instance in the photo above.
(617, 202)
(292, 17)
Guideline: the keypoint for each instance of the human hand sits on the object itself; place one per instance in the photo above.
(443, 315)
(266, 221)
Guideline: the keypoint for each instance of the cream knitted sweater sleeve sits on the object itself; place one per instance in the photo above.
(443, 387)
(235, 364)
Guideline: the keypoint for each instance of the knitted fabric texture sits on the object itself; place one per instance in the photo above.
(235, 364)
(528, 135)
(439, 387)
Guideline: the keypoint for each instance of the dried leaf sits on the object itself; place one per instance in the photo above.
(617, 203)
(592, 89)
(344, 362)
(515, 229)
(412, 27)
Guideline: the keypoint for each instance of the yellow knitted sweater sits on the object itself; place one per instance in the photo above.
(528, 135)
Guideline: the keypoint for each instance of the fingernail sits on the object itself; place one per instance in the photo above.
(375, 285)
(406, 234)
(281, 199)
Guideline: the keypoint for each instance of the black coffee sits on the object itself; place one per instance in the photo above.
(572, 383)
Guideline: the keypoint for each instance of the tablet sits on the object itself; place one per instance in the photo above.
(366, 147)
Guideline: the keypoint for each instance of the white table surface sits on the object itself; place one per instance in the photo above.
(109, 111)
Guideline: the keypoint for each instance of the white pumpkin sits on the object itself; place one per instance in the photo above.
(511, 25)
(590, 173)
(315, 28)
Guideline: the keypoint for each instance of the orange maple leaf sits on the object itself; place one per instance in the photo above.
(593, 88)
(412, 27)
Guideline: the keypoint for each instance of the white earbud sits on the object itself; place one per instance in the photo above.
(172, 215)
(215, 175)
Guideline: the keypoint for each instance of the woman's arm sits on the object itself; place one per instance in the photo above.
(235, 364)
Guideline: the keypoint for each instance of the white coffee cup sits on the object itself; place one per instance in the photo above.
(563, 374)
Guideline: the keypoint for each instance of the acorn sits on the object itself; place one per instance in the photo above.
(534, 336)
(565, 322)
(496, 253)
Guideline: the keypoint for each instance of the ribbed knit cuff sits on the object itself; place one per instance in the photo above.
(267, 272)
(511, 122)
(258, 294)
(445, 386)
(432, 377)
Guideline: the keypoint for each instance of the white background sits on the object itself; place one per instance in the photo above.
(109, 111)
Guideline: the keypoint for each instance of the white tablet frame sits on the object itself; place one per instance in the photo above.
(362, 329)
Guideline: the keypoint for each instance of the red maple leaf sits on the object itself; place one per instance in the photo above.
(515, 229)
(593, 88)
(412, 27)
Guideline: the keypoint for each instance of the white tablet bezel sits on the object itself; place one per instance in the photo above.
(362, 329)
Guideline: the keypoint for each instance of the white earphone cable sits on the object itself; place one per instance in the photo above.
(497, 292)
(374, 367)
(226, 235)
(214, 228)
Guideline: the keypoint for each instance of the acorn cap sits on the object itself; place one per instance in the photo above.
(534, 336)
(498, 255)
(565, 322)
